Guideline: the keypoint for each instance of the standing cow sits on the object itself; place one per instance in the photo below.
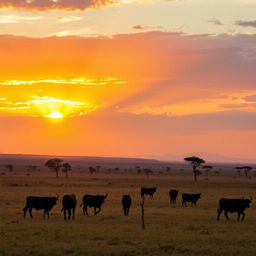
(94, 201)
(69, 205)
(39, 203)
(126, 203)
(233, 205)
(147, 191)
(193, 198)
(173, 195)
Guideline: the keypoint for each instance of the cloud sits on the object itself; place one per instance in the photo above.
(164, 73)
(141, 27)
(244, 23)
(138, 27)
(215, 22)
(18, 19)
(43, 5)
(250, 98)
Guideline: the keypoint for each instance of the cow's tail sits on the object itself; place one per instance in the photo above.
(81, 204)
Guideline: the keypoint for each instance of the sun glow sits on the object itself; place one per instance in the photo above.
(56, 115)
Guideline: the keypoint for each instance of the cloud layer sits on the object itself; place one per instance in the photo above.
(42, 5)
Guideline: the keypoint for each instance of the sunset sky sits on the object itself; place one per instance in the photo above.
(128, 77)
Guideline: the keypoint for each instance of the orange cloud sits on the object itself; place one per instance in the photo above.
(44, 5)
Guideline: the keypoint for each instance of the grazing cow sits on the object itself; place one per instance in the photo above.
(94, 201)
(68, 205)
(147, 191)
(233, 205)
(190, 198)
(126, 202)
(40, 203)
(173, 195)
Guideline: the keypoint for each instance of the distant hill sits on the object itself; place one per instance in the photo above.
(209, 157)
(20, 159)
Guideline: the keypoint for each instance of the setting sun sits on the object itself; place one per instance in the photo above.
(56, 115)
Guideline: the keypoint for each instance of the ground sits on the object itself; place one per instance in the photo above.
(170, 230)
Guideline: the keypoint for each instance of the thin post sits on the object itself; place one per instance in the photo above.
(142, 213)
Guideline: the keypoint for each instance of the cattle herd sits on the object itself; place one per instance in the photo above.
(69, 203)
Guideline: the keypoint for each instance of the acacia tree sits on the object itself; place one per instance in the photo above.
(66, 167)
(54, 164)
(195, 163)
(9, 167)
(247, 169)
(207, 169)
(91, 170)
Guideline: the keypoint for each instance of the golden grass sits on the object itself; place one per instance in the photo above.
(170, 230)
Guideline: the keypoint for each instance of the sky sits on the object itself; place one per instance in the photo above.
(128, 77)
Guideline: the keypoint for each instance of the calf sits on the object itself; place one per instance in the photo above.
(39, 203)
(193, 198)
(173, 195)
(69, 205)
(94, 201)
(147, 191)
(233, 205)
(126, 203)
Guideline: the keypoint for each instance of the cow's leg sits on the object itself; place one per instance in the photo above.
(69, 213)
(219, 211)
(30, 212)
(85, 209)
(95, 210)
(243, 215)
(65, 214)
(238, 216)
(25, 211)
(226, 214)
(48, 214)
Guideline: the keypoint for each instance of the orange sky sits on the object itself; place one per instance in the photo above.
(150, 93)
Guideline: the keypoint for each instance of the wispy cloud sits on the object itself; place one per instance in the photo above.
(215, 22)
(245, 23)
(18, 19)
(43, 5)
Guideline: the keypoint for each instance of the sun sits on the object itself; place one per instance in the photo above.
(56, 115)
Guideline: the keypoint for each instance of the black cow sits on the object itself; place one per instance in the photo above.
(190, 198)
(147, 191)
(173, 195)
(233, 205)
(40, 203)
(126, 202)
(94, 201)
(68, 205)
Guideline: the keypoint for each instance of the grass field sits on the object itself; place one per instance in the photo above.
(170, 230)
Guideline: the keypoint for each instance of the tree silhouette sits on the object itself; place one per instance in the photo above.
(9, 167)
(207, 169)
(91, 170)
(246, 169)
(147, 171)
(195, 163)
(66, 167)
(54, 164)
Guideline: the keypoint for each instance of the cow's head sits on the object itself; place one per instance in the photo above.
(198, 195)
(247, 202)
(154, 189)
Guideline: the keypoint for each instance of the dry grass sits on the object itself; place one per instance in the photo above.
(169, 230)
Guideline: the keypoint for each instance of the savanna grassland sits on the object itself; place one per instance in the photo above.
(170, 230)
